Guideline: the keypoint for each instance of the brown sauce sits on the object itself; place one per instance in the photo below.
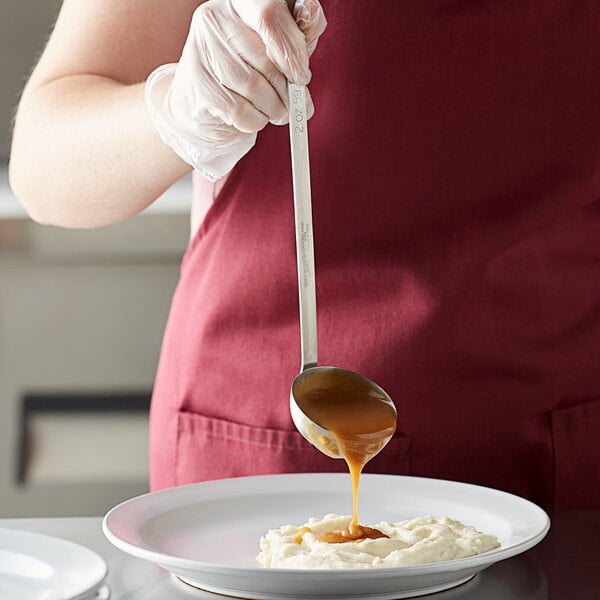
(351, 535)
(300, 534)
(362, 421)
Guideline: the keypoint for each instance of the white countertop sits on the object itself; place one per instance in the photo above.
(176, 200)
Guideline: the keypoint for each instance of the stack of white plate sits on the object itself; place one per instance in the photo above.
(40, 567)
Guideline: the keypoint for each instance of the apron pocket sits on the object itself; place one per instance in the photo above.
(209, 448)
(576, 435)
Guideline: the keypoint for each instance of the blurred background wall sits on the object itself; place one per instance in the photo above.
(24, 28)
(81, 320)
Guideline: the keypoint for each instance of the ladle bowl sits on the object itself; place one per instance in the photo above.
(341, 382)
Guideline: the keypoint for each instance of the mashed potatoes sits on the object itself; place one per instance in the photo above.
(417, 541)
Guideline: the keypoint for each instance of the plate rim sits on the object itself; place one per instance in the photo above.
(486, 558)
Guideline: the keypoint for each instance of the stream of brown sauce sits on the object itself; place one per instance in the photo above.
(362, 421)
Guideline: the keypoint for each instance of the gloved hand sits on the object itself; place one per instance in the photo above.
(231, 79)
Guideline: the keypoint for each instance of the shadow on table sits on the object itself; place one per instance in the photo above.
(519, 578)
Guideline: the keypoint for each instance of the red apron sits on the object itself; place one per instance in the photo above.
(455, 157)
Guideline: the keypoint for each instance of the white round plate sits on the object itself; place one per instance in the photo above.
(40, 567)
(208, 533)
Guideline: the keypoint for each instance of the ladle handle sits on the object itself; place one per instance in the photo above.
(304, 230)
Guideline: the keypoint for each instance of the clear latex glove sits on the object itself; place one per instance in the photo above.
(231, 79)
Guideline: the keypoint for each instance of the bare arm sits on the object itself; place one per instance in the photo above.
(84, 152)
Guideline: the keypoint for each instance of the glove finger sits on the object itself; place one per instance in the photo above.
(284, 43)
(264, 86)
(197, 93)
(310, 107)
(311, 20)
(310, 110)
(246, 117)
(236, 68)
(246, 101)
(235, 110)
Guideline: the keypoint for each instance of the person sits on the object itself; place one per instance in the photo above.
(455, 158)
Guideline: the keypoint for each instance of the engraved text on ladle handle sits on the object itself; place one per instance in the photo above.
(304, 229)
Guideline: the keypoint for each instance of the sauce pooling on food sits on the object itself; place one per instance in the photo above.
(351, 534)
(362, 420)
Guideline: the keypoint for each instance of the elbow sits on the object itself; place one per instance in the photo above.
(47, 204)
(24, 190)
(30, 194)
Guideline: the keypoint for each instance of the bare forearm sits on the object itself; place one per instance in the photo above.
(85, 154)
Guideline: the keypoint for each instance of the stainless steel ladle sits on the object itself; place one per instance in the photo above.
(311, 376)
